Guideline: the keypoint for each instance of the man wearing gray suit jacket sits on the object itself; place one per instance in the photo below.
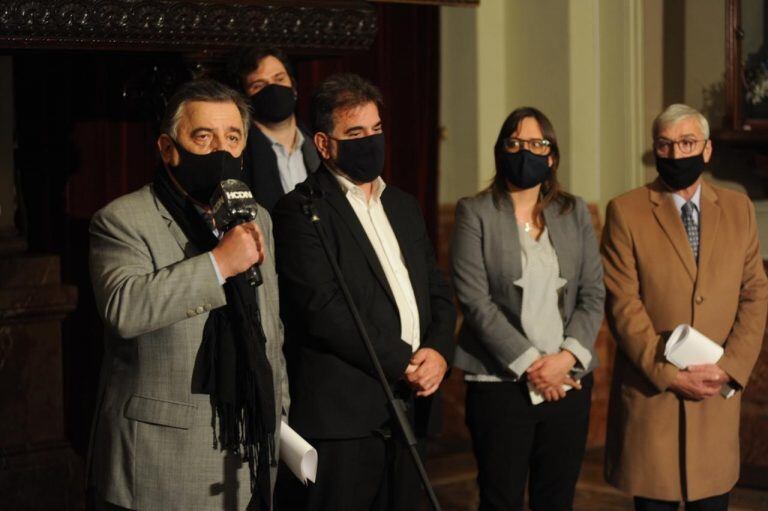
(192, 385)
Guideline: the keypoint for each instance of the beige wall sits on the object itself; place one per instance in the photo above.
(653, 77)
(539, 69)
(600, 69)
(458, 104)
(575, 63)
(704, 55)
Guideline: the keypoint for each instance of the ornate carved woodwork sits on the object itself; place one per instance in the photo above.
(184, 25)
(463, 3)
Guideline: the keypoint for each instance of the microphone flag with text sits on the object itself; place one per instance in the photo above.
(232, 204)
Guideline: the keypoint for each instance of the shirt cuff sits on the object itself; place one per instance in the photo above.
(521, 363)
(582, 354)
(221, 279)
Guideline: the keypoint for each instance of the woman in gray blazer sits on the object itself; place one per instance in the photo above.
(529, 280)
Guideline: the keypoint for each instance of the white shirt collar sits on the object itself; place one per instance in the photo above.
(351, 188)
(696, 199)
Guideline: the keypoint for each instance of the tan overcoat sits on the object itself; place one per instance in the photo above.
(658, 445)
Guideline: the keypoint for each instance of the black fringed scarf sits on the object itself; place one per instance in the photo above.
(232, 365)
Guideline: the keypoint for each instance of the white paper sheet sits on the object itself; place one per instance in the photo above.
(298, 454)
(536, 397)
(687, 346)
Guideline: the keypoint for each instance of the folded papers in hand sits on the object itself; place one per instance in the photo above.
(687, 346)
(536, 397)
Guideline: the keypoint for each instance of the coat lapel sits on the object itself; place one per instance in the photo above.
(174, 229)
(265, 160)
(669, 218)
(559, 239)
(341, 205)
(709, 219)
(402, 224)
(509, 236)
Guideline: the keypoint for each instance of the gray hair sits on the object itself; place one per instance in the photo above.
(677, 112)
(202, 90)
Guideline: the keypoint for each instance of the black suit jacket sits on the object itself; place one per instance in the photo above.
(261, 173)
(334, 390)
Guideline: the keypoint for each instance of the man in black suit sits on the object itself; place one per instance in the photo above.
(377, 236)
(279, 154)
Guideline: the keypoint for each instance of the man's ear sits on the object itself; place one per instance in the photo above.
(168, 152)
(323, 144)
(707, 154)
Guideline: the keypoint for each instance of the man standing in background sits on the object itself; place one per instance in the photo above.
(279, 154)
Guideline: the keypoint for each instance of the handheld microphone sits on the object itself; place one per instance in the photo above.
(232, 204)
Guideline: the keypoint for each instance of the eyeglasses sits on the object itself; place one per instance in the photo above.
(663, 147)
(539, 146)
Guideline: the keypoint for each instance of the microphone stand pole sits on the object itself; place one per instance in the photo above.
(396, 406)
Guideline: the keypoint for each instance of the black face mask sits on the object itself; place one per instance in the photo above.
(199, 174)
(681, 172)
(523, 169)
(273, 103)
(361, 159)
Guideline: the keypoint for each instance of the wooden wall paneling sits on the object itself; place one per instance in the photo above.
(754, 425)
(309, 26)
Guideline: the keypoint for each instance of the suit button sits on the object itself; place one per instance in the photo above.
(699, 300)
(199, 309)
(190, 313)
(207, 307)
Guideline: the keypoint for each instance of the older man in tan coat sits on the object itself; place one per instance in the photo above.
(680, 250)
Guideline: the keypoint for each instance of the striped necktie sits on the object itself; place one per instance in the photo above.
(691, 227)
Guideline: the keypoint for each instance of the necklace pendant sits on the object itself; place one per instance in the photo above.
(527, 227)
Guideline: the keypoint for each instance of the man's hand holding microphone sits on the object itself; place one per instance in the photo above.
(241, 248)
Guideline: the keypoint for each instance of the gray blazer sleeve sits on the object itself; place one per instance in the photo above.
(587, 316)
(132, 296)
(265, 223)
(471, 280)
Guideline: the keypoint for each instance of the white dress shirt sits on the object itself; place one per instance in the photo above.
(290, 165)
(376, 225)
(696, 199)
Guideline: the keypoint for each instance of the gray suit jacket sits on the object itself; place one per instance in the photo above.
(486, 262)
(152, 440)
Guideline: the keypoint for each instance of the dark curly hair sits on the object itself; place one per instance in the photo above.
(246, 60)
(338, 92)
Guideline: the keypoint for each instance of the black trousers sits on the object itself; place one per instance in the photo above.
(717, 503)
(514, 440)
(371, 473)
